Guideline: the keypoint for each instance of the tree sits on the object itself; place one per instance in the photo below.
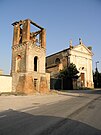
(97, 79)
(69, 72)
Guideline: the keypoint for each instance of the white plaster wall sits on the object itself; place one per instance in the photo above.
(5, 84)
(81, 59)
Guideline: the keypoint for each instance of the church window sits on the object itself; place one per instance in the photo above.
(57, 61)
(35, 63)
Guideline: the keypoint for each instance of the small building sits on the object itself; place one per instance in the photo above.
(80, 55)
(1, 71)
(5, 83)
(29, 58)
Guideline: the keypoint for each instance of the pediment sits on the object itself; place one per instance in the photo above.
(83, 49)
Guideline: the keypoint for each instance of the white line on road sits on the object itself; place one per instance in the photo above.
(52, 103)
(3, 116)
(25, 110)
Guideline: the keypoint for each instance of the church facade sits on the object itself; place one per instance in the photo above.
(80, 55)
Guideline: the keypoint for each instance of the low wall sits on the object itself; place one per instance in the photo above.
(5, 83)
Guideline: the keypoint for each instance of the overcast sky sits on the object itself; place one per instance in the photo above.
(63, 20)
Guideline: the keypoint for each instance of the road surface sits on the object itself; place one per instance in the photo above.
(72, 115)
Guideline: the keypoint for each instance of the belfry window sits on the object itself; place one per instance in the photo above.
(35, 63)
(20, 38)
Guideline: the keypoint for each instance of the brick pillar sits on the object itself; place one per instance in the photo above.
(43, 38)
(25, 84)
(27, 62)
(43, 88)
(26, 31)
(16, 34)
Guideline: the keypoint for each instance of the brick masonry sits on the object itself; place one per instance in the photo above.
(28, 59)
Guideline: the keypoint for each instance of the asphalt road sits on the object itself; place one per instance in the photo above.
(78, 115)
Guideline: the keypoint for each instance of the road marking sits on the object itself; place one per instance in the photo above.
(3, 116)
(25, 110)
(52, 103)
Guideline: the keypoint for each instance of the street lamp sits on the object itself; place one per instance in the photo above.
(96, 73)
(96, 64)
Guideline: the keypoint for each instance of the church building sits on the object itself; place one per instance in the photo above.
(80, 55)
(31, 70)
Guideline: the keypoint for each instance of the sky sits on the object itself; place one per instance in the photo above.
(64, 20)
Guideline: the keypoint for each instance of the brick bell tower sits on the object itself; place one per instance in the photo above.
(28, 59)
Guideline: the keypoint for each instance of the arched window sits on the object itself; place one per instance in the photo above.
(18, 63)
(35, 63)
(57, 61)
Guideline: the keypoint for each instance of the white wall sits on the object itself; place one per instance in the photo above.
(81, 57)
(5, 84)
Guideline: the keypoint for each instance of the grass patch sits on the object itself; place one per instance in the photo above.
(12, 93)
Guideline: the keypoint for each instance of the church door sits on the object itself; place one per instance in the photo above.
(82, 79)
